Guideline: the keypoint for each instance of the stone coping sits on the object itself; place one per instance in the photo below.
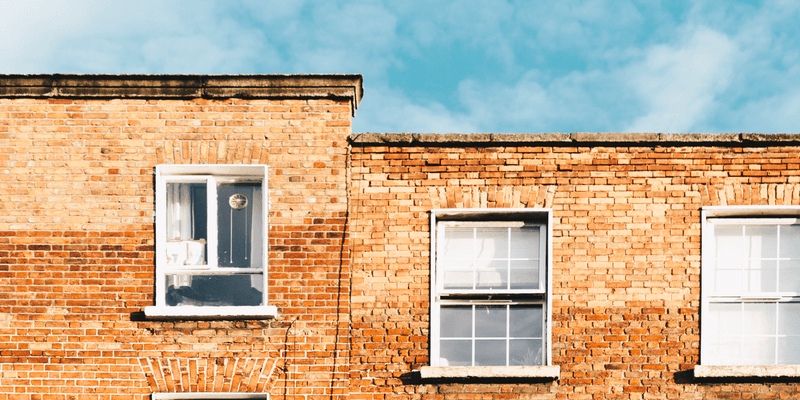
(577, 138)
(184, 86)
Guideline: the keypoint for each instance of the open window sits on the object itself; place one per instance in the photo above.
(211, 241)
(490, 304)
(751, 287)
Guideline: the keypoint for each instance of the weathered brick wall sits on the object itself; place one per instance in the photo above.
(626, 278)
(77, 248)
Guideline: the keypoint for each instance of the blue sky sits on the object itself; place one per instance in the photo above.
(455, 66)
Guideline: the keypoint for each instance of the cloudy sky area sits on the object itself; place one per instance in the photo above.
(455, 66)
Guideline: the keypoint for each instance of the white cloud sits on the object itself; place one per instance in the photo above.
(681, 83)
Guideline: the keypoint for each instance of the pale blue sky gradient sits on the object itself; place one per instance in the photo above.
(455, 66)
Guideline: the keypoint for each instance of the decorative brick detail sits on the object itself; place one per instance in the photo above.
(183, 375)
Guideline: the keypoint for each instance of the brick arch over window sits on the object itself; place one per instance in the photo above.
(738, 194)
(212, 152)
(188, 375)
(532, 196)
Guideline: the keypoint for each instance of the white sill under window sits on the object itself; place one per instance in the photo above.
(741, 371)
(237, 312)
(544, 371)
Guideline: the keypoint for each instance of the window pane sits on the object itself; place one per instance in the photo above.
(455, 321)
(762, 241)
(458, 279)
(723, 351)
(458, 242)
(187, 214)
(729, 245)
(789, 276)
(790, 241)
(490, 352)
(492, 243)
(723, 319)
(525, 274)
(758, 351)
(729, 280)
(490, 321)
(525, 352)
(526, 321)
(493, 277)
(455, 353)
(214, 290)
(789, 319)
(239, 223)
(789, 350)
(762, 276)
(758, 319)
(525, 242)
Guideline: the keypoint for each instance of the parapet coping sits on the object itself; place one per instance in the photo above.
(740, 371)
(348, 86)
(576, 138)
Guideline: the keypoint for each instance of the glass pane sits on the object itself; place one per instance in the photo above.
(526, 321)
(187, 214)
(762, 241)
(455, 321)
(492, 243)
(728, 281)
(729, 246)
(762, 276)
(525, 352)
(525, 274)
(490, 321)
(789, 350)
(455, 353)
(525, 242)
(239, 223)
(458, 279)
(789, 319)
(723, 319)
(758, 351)
(758, 319)
(490, 352)
(214, 290)
(723, 351)
(494, 277)
(458, 243)
(790, 241)
(789, 276)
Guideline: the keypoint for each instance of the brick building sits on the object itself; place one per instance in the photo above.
(229, 237)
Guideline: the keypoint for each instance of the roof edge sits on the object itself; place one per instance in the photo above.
(576, 138)
(350, 86)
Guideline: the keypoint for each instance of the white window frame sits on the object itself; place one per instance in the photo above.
(209, 173)
(737, 215)
(439, 296)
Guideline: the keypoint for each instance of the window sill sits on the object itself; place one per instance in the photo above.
(192, 312)
(755, 371)
(544, 371)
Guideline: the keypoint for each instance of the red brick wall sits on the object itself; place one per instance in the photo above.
(626, 262)
(77, 248)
